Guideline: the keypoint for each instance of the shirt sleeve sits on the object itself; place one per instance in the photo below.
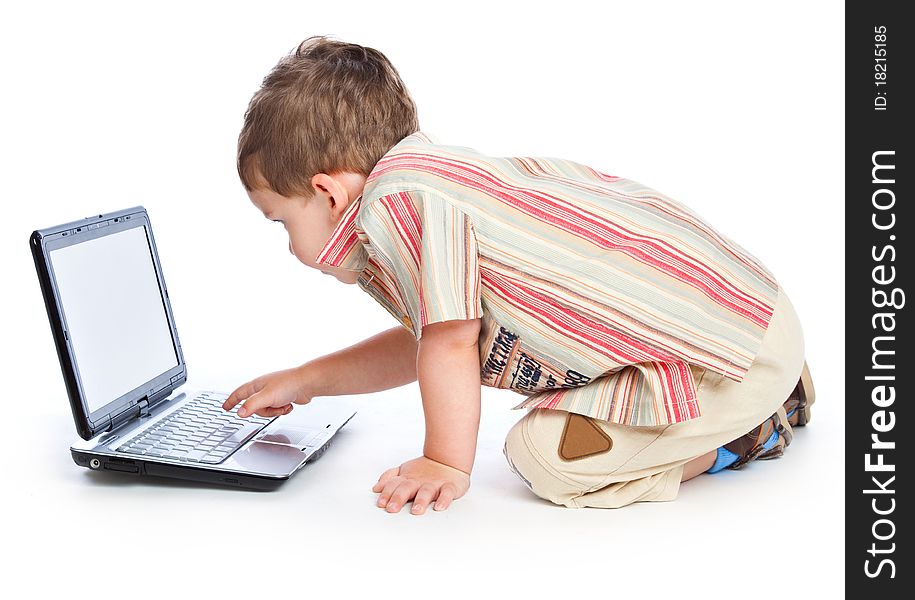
(644, 394)
(429, 246)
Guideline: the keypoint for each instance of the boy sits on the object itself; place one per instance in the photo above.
(650, 347)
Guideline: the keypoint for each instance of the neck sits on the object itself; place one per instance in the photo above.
(353, 182)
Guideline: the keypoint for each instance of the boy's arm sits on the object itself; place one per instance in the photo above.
(448, 369)
(448, 366)
(381, 362)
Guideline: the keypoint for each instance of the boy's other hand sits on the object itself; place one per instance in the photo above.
(425, 480)
(270, 395)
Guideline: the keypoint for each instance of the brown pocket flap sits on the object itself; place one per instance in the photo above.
(582, 437)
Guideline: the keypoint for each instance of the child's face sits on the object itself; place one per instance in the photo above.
(309, 223)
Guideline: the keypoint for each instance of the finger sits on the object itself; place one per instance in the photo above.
(240, 393)
(254, 403)
(272, 411)
(403, 494)
(384, 478)
(424, 496)
(389, 488)
(445, 496)
(275, 411)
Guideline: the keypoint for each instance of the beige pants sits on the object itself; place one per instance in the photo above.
(646, 463)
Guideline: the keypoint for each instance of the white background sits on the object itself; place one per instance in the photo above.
(735, 110)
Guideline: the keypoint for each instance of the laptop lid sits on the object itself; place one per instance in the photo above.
(110, 315)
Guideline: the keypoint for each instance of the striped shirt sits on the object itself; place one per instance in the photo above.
(597, 294)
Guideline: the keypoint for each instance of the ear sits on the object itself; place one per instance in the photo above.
(330, 187)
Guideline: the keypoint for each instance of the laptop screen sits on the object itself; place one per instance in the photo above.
(115, 314)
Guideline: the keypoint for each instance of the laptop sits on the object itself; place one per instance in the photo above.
(124, 369)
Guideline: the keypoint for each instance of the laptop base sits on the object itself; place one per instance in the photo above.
(138, 466)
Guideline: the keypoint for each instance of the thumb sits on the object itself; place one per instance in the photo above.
(392, 472)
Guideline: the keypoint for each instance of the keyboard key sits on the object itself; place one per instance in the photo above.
(195, 456)
(244, 434)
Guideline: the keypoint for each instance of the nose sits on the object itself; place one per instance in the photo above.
(291, 251)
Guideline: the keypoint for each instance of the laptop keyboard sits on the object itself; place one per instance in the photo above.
(200, 431)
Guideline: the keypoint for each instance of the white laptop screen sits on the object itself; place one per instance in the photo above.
(115, 314)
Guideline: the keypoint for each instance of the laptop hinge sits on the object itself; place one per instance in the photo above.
(144, 407)
(140, 409)
(155, 399)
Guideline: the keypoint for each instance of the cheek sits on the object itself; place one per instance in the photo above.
(302, 251)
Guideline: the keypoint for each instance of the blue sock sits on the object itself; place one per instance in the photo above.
(724, 460)
(727, 458)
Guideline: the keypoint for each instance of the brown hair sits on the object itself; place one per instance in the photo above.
(328, 106)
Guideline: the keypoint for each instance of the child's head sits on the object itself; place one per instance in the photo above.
(323, 117)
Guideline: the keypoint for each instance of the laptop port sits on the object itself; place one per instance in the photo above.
(119, 464)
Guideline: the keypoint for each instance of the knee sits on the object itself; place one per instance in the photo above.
(527, 458)
(513, 449)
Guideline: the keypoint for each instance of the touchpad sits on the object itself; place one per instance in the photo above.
(270, 458)
(300, 437)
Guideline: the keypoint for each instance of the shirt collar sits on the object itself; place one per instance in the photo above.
(346, 246)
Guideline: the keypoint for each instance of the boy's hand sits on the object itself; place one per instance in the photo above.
(423, 479)
(271, 395)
